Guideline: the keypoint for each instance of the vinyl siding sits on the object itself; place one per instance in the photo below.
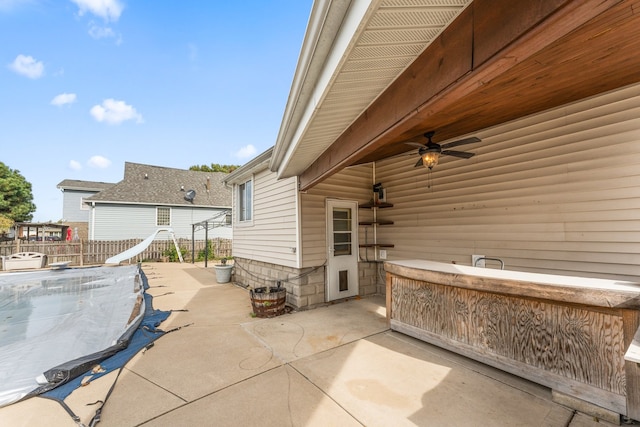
(120, 221)
(350, 184)
(271, 236)
(558, 192)
(72, 206)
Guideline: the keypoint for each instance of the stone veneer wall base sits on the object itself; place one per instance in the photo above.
(305, 286)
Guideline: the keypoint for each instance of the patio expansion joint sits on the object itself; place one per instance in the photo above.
(324, 393)
(156, 384)
(207, 395)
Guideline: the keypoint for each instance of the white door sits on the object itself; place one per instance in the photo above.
(342, 257)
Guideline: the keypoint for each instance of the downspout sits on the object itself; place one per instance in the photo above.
(93, 221)
(375, 215)
(298, 224)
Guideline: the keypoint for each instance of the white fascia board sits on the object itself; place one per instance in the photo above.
(171, 205)
(257, 164)
(85, 189)
(314, 49)
(326, 43)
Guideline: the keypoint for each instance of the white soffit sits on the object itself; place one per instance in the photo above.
(391, 36)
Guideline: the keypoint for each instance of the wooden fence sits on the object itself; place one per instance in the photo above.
(89, 252)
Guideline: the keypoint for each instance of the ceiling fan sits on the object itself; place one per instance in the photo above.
(430, 152)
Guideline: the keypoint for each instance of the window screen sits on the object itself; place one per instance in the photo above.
(163, 216)
(245, 198)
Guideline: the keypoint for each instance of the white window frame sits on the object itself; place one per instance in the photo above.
(158, 216)
(245, 215)
(83, 205)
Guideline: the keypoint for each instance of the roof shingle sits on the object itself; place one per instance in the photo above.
(147, 184)
(79, 185)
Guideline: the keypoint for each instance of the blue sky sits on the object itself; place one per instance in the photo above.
(87, 85)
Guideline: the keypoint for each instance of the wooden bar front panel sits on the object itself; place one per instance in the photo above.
(576, 349)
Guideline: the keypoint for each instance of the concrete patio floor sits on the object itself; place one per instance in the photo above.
(334, 365)
(337, 365)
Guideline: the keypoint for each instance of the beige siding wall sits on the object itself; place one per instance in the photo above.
(350, 184)
(271, 237)
(553, 193)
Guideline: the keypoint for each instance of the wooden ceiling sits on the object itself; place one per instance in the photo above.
(498, 61)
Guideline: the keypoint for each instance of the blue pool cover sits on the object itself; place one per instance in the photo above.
(57, 326)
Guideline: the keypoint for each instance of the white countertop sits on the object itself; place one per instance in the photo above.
(581, 290)
(549, 279)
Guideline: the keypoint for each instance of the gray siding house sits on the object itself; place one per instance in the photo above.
(150, 197)
(76, 213)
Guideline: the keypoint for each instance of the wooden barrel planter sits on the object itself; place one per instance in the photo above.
(268, 302)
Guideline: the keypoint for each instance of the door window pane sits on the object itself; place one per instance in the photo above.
(342, 231)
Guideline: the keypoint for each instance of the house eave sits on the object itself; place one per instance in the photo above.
(350, 56)
(174, 205)
(483, 64)
(311, 76)
(257, 164)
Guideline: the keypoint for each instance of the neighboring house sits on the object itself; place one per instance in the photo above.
(552, 90)
(150, 197)
(39, 231)
(76, 213)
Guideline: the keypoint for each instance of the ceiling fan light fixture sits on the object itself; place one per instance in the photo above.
(430, 159)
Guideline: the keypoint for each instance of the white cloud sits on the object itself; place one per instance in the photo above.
(109, 10)
(115, 112)
(27, 66)
(74, 165)
(246, 152)
(99, 32)
(99, 162)
(63, 99)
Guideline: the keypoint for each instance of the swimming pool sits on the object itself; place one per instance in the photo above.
(55, 324)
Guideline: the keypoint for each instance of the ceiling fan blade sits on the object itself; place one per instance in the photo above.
(419, 163)
(461, 154)
(460, 142)
(414, 144)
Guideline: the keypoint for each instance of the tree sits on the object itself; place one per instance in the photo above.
(5, 224)
(214, 167)
(16, 198)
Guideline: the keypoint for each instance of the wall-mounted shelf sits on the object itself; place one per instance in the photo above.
(380, 205)
(375, 222)
(378, 222)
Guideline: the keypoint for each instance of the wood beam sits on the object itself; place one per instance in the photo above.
(444, 75)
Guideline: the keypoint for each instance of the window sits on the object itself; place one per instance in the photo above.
(163, 216)
(342, 231)
(83, 205)
(245, 198)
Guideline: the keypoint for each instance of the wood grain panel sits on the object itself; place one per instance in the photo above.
(632, 370)
(492, 32)
(584, 345)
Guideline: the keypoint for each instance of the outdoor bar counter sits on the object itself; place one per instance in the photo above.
(574, 335)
